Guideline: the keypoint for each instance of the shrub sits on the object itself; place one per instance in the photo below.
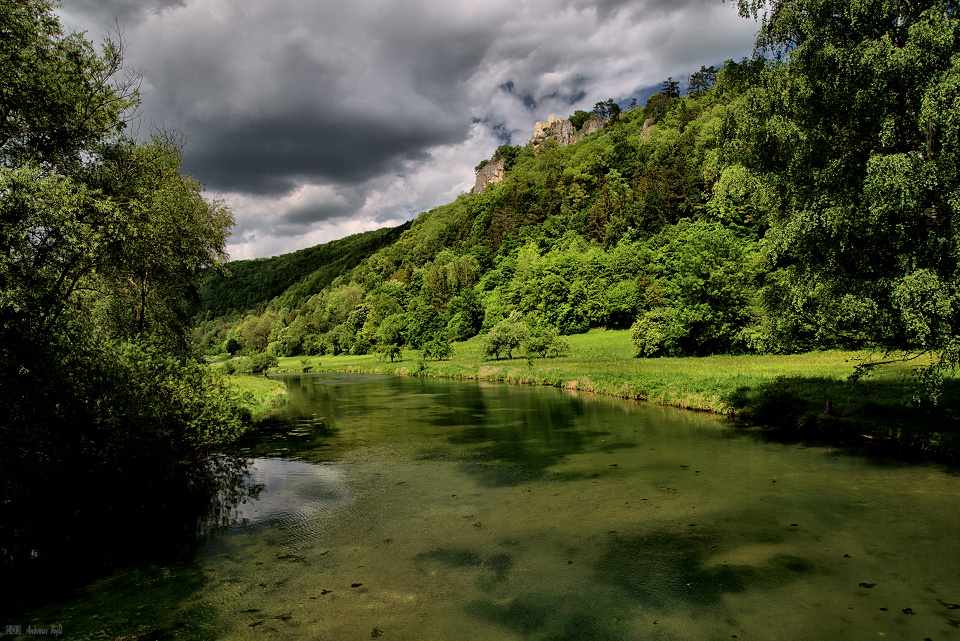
(362, 346)
(655, 333)
(390, 350)
(256, 363)
(506, 336)
(545, 340)
(232, 345)
(437, 350)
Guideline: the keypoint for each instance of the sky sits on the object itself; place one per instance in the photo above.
(317, 119)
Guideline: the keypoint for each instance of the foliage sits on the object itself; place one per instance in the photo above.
(504, 337)
(231, 346)
(578, 118)
(701, 81)
(437, 350)
(545, 340)
(248, 284)
(671, 88)
(656, 333)
(102, 241)
(607, 109)
(856, 130)
(779, 206)
(390, 350)
(703, 283)
(254, 364)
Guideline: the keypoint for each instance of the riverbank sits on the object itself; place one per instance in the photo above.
(261, 395)
(808, 395)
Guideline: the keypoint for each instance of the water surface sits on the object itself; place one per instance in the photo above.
(402, 508)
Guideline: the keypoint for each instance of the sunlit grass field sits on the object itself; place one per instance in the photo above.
(809, 392)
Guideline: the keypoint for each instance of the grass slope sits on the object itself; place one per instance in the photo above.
(789, 392)
(261, 395)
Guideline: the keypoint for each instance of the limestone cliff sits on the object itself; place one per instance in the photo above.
(563, 132)
(492, 172)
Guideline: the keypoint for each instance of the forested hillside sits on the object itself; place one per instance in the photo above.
(574, 237)
(251, 284)
(799, 200)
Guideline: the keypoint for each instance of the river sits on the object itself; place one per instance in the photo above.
(405, 508)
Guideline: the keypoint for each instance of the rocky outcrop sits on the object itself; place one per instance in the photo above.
(554, 129)
(647, 132)
(492, 172)
(563, 132)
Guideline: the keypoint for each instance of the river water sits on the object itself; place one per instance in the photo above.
(402, 508)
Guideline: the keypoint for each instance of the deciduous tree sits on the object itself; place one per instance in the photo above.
(858, 129)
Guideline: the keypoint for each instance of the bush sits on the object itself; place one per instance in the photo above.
(390, 350)
(437, 350)
(362, 346)
(545, 340)
(232, 346)
(506, 336)
(655, 333)
(256, 363)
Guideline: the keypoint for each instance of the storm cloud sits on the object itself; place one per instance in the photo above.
(318, 119)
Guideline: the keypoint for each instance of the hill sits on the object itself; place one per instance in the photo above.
(253, 283)
(780, 207)
(572, 236)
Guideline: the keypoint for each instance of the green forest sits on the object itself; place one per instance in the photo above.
(806, 198)
(803, 199)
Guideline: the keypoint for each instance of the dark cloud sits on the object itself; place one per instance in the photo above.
(274, 154)
(125, 12)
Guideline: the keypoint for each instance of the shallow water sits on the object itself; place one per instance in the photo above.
(402, 508)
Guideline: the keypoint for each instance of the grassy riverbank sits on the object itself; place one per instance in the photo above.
(789, 392)
(261, 395)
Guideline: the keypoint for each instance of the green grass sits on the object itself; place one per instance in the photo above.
(261, 395)
(789, 392)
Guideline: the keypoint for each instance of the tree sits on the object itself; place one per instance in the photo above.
(232, 346)
(578, 118)
(544, 340)
(607, 109)
(705, 281)
(857, 128)
(504, 337)
(59, 96)
(167, 232)
(701, 81)
(101, 243)
(671, 88)
(437, 350)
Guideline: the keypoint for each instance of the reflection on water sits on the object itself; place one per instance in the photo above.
(414, 509)
(292, 491)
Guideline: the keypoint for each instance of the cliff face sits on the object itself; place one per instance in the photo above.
(563, 132)
(492, 172)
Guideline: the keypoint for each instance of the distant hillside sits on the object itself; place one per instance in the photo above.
(253, 283)
(644, 222)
